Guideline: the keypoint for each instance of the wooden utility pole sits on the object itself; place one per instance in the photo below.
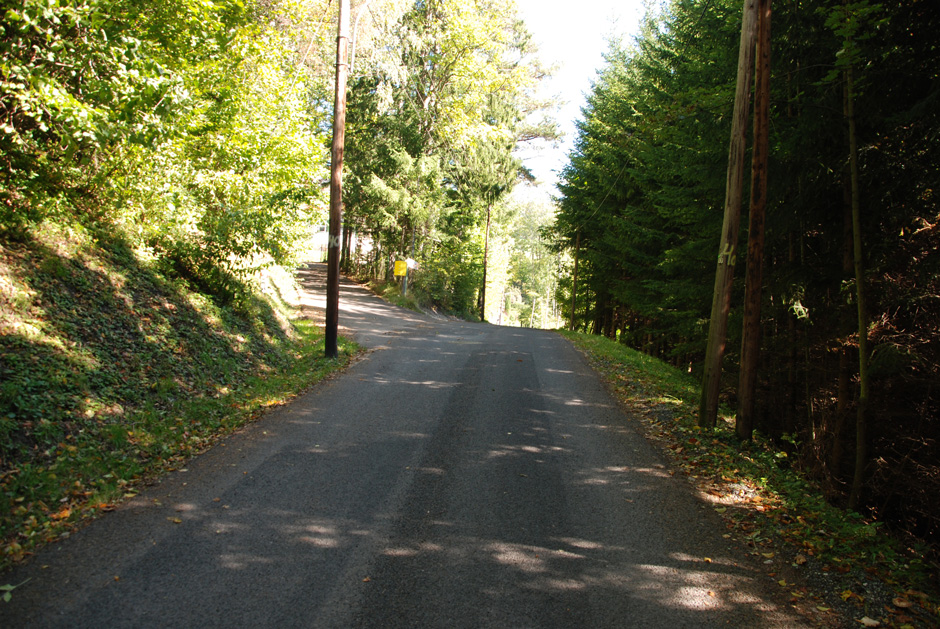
(486, 250)
(750, 342)
(336, 184)
(724, 276)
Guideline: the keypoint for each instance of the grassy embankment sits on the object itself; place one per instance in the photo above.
(414, 300)
(766, 503)
(391, 292)
(112, 372)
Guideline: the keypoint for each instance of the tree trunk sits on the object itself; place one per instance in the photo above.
(574, 283)
(724, 276)
(750, 342)
(846, 323)
(600, 305)
(861, 419)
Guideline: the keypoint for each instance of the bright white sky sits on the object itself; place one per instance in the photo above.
(573, 35)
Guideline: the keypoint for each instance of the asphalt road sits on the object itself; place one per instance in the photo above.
(458, 475)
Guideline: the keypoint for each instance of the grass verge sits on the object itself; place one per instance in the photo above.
(391, 292)
(767, 505)
(415, 301)
(113, 372)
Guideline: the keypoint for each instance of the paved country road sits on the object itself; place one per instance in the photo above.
(458, 475)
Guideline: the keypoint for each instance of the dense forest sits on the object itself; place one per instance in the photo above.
(640, 209)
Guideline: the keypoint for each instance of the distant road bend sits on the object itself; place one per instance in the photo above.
(459, 475)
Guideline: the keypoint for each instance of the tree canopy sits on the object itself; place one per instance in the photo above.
(433, 124)
(201, 128)
(195, 126)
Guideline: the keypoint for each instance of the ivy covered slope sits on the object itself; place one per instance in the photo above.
(160, 165)
(114, 371)
(641, 202)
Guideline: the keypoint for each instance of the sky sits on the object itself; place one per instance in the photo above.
(573, 35)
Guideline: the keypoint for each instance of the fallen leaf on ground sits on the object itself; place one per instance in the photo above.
(8, 591)
(869, 622)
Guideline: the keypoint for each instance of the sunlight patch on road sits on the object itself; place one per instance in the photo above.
(436, 471)
(431, 384)
(689, 589)
(564, 585)
(408, 435)
(321, 542)
(583, 544)
(651, 471)
(525, 559)
(242, 561)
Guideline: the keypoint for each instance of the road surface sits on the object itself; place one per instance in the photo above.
(458, 475)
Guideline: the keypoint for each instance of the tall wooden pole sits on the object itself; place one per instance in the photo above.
(750, 342)
(727, 254)
(486, 250)
(336, 184)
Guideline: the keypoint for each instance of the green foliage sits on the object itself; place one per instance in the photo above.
(430, 135)
(523, 273)
(410, 195)
(192, 125)
(79, 80)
